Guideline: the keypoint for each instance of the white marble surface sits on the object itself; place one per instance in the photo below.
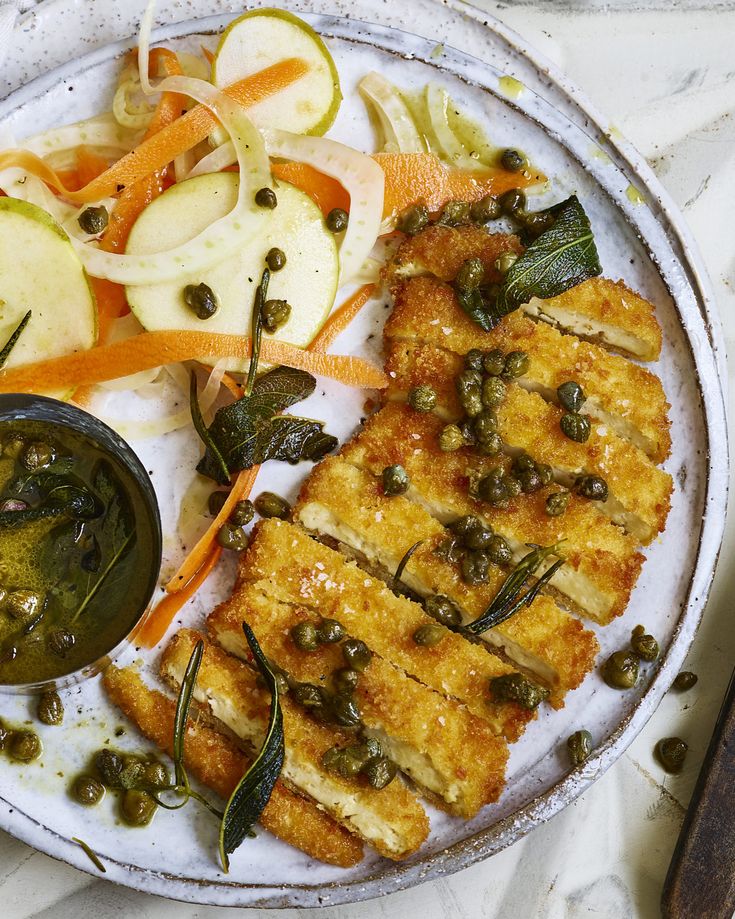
(665, 80)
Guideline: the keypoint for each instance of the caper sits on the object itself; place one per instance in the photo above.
(87, 790)
(512, 486)
(505, 262)
(449, 550)
(201, 300)
(644, 646)
(538, 221)
(575, 426)
(620, 670)
(309, 695)
(470, 276)
(50, 708)
(492, 490)
(671, 753)
(269, 504)
(450, 439)
(466, 430)
(570, 395)
(380, 771)
(465, 526)
(233, 538)
(530, 480)
(485, 209)
(109, 765)
(593, 487)
(345, 681)
(22, 604)
(413, 220)
(154, 775)
(305, 636)
(499, 552)
(337, 220)
(356, 653)
(137, 808)
(455, 213)
(479, 537)
(338, 759)
(24, 746)
(556, 503)
(395, 480)
(493, 362)
(513, 160)
(266, 197)
(579, 745)
(216, 501)
(474, 567)
(491, 445)
(514, 687)
(37, 455)
(330, 631)
(685, 680)
(545, 473)
(523, 463)
(516, 365)
(275, 314)
(443, 610)
(242, 513)
(93, 220)
(469, 391)
(345, 712)
(512, 202)
(275, 259)
(486, 424)
(429, 634)
(5, 735)
(59, 641)
(132, 771)
(493, 391)
(422, 398)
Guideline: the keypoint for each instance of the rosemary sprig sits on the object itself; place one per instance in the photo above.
(90, 853)
(11, 342)
(395, 583)
(257, 326)
(201, 428)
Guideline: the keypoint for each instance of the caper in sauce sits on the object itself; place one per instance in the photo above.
(505, 262)
(556, 503)
(330, 631)
(24, 746)
(514, 687)
(137, 807)
(451, 438)
(575, 426)
(485, 210)
(216, 501)
(356, 653)
(269, 504)
(87, 790)
(469, 277)
(513, 160)
(395, 480)
(516, 365)
(455, 214)
(109, 765)
(429, 635)
(242, 513)
(570, 395)
(643, 645)
(443, 610)
(422, 398)
(305, 636)
(685, 680)
(413, 220)
(232, 537)
(380, 771)
(345, 680)
(620, 670)
(671, 753)
(593, 487)
(50, 708)
(512, 202)
(579, 746)
(37, 455)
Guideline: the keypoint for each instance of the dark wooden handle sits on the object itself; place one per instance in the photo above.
(701, 878)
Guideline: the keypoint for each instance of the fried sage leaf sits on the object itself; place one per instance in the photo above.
(253, 792)
(11, 342)
(291, 439)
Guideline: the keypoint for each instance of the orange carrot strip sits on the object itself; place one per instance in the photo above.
(323, 189)
(89, 165)
(154, 349)
(207, 54)
(156, 624)
(341, 318)
(233, 387)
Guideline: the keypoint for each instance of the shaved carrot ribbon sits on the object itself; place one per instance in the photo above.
(341, 318)
(89, 165)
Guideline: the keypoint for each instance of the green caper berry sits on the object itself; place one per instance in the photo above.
(464, 526)
(579, 745)
(132, 772)
(493, 363)
(266, 197)
(344, 712)
(470, 275)
(22, 604)
(242, 513)
(620, 670)
(275, 314)
(512, 486)
(373, 748)
(492, 445)
(309, 695)
(514, 687)
(330, 631)
(395, 480)
(486, 423)
(671, 753)
(422, 398)
(201, 300)
(337, 220)
(37, 455)
(537, 222)
(492, 490)
(429, 634)
(465, 429)
(455, 213)
(216, 501)
(51, 708)
(499, 552)
(413, 220)
(469, 391)
(275, 259)
(473, 360)
(345, 681)
(356, 653)
(570, 395)
(449, 550)
(512, 202)
(523, 463)
(59, 641)
(24, 746)
(530, 480)
(556, 503)
(269, 504)
(305, 636)
(685, 680)
(137, 808)
(337, 759)
(545, 473)
(443, 610)
(644, 646)
(87, 790)
(592, 487)
(505, 262)
(516, 365)
(493, 391)
(93, 220)
(154, 775)
(380, 772)
(232, 537)
(109, 765)
(485, 209)
(450, 439)
(513, 160)
(575, 426)
(474, 567)
(479, 538)
(5, 735)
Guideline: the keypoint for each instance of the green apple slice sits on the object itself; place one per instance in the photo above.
(261, 38)
(308, 281)
(41, 272)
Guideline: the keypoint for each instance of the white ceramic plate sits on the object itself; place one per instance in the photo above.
(645, 244)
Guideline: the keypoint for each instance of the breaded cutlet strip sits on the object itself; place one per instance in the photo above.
(348, 504)
(451, 755)
(285, 563)
(623, 395)
(639, 491)
(219, 764)
(599, 309)
(603, 562)
(392, 820)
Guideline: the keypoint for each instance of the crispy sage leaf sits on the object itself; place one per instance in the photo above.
(254, 789)
(11, 342)
(291, 439)
(201, 428)
(473, 303)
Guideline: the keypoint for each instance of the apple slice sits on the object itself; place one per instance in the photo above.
(296, 226)
(263, 37)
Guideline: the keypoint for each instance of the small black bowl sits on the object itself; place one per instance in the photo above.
(17, 407)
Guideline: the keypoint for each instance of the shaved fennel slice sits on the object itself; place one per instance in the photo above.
(128, 113)
(102, 131)
(451, 148)
(216, 161)
(398, 126)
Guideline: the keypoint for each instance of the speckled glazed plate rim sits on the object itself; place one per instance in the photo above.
(702, 327)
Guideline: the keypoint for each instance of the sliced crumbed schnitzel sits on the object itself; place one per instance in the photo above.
(450, 754)
(348, 504)
(219, 764)
(625, 396)
(639, 492)
(391, 819)
(284, 563)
